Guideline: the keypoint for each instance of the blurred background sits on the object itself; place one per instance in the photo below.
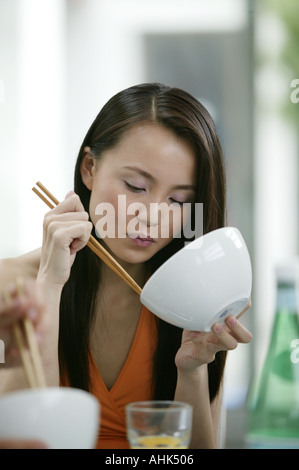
(61, 60)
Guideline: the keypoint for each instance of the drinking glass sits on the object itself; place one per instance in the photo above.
(159, 424)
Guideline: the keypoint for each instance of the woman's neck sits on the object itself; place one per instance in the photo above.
(117, 298)
(137, 271)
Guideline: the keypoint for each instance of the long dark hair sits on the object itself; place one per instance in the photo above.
(180, 112)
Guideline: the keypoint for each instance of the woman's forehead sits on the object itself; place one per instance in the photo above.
(153, 149)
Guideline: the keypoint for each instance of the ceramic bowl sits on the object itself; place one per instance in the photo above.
(61, 418)
(207, 280)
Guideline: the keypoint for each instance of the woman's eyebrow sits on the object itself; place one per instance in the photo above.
(147, 175)
(140, 171)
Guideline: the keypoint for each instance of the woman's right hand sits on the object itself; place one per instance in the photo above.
(66, 230)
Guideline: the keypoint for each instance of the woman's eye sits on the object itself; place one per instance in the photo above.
(177, 202)
(135, 189)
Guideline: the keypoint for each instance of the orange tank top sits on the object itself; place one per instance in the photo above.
(134, 383)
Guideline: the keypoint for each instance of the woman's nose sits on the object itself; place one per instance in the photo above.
(148, 214)
(153, 215)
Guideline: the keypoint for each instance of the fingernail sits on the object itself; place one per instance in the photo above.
(195, 334)
(232, 321)
(217, 328)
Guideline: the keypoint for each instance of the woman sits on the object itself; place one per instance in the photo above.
(150, 144)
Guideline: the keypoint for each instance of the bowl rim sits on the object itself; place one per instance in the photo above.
(39, 392)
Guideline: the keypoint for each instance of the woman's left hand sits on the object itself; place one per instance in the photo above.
(198, 348)
(14, 306)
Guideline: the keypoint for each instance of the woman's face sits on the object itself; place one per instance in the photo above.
(137, 191)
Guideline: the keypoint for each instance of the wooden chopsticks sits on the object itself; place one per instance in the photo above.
(26, 341)
(93, 244)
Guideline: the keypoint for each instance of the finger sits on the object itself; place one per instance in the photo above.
(196, 336)
(239, 332)
(207, 341)
(8, 311)
(66, 216)
(248, 306)
(25, 298)
(224, 338)
(70, 193)
(53, 217)
(75, 235)
(67, 228)
(9, 307)
(53, 221)
(72, 203)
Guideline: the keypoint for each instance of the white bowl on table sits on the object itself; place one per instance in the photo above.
(61, 418)
(206, 281)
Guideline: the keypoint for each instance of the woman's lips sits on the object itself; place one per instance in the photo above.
(141, 241)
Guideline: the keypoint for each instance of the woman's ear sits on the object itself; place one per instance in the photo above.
(87, 168)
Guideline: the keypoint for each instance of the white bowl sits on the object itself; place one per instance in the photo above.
(207, 280)
(61, 418)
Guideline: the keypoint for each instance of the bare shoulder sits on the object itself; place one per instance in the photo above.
(26, 265)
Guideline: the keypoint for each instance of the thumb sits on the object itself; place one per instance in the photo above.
(69, 194)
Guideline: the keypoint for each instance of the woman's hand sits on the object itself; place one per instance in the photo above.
(66, 231)
(199, 348)
(28, 304)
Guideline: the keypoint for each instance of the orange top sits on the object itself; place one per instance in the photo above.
(133, 384)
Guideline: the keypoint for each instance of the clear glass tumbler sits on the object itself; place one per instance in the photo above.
(159, 424)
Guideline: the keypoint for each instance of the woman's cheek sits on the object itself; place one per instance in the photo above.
(171, 224)
(103, 213)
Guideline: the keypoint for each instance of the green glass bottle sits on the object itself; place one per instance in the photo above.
(273, 405)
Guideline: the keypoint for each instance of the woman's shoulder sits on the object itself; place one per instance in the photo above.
(26, 265)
